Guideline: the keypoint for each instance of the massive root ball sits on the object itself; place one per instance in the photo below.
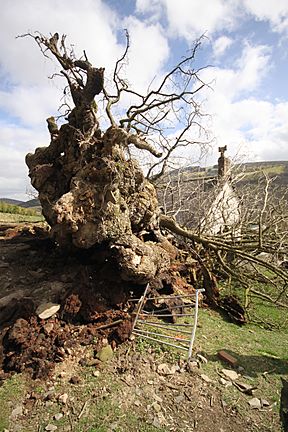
(92, 194)
(91, 191)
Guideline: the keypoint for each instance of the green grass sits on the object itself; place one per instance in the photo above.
(10, 394)
(16, 218)
(263, 355)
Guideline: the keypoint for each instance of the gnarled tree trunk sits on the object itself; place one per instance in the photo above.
(90, 191)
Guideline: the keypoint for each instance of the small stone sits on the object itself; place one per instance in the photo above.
(202, 358)
(232, 375)
(265, 403)
(245, 388)
(58, 416)
(179, 399)
(17, 412)
(157, 398)
(46, 310)
(223, 381)
(157, 407)
(50, 427)
(96, 373)
(192, 364)
(48, 328)
(206, 378)
(255, 403)
(157, 423)
(137, 403)
(63, 398)
(138, 391)
(105, 354)
(75, 380)
(164, 369)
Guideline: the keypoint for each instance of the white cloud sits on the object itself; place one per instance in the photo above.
(152, 7)
(250, 127)
(15, 143)
(192, 18)
(30, 104)
(276, 12)
(148, 52)
(231, 83)
(220, 45)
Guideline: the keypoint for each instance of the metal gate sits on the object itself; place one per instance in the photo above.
(145, 320)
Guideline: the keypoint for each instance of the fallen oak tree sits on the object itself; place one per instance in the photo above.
(91, 191)
(94, 193)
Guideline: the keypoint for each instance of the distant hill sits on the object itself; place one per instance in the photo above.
(250, 172)
(25, 204)
(31, 203)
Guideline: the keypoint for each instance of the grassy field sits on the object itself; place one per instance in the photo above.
(17, 218)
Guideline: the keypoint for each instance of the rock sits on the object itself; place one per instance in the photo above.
(164, 369)
(50, 427)
(223, 381)
(192, 364)
(46, 310)
(206, 378)
(157, 398)
(255, 403)
(96, 373)
(156, 406)
(179, 399)
(137, 403)
(105, 354)
(228, 358)
(48, 328)
(264, 403)
(245, 388)
(17, 411)
(202, 358)
(63, 398)
(74, 380)
(232, 375)
(58, 416)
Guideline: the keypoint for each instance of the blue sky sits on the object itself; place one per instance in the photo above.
(245, 44)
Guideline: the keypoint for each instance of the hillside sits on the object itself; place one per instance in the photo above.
(25, 204)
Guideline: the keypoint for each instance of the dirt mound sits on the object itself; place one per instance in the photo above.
(92, 297)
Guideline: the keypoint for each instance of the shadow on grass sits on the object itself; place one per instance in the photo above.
(255, 364)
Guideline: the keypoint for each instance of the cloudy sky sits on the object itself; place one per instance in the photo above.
(246, 47)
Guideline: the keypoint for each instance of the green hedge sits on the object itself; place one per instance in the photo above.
(14, 209)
